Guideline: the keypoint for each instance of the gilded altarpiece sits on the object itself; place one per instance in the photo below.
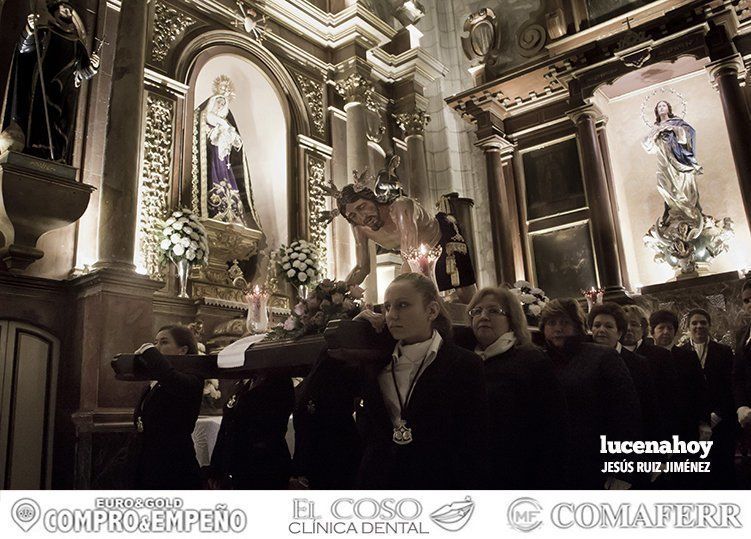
(316, 178)
(156, 170)
(313, 92)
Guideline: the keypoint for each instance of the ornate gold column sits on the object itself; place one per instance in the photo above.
(314, 157)
(726, 75)
(413, 124)
(601, 221)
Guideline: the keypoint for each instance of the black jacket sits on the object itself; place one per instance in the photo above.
(447, 413)
(717, 371)
(692, 388)
(327, 444)
(681, 390)
(528, 430)
(601, 400)
(251, 450)
(651, 412)
(164, 454)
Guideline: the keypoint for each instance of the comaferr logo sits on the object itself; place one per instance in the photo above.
(659, 515)
(527, 514)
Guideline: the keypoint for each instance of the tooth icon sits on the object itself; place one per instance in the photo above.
(25, 513)
(454, 516)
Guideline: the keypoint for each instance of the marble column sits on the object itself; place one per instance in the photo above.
(413, 124)
(601, 220)
(119, 189)
(356, 89)
(497, 150)
(726, 75)
(605, 149)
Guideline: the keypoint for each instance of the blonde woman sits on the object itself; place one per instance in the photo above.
(423, 415)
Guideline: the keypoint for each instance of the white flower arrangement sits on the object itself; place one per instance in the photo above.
(298, 263)
(532, 299)
(184, 237)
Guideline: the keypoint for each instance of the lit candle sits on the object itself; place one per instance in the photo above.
(422, 259)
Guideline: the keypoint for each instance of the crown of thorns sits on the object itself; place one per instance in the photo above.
(361, 183)
(382, 189)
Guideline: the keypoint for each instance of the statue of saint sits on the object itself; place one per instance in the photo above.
(397, 222)
(684, 237)
(49, 64)
(674, 142)
(224, 172)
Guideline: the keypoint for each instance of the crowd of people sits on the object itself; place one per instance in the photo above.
(477, 407)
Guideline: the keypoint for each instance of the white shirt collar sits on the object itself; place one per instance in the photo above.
(618, 347)
(417, 351)
(498, 347)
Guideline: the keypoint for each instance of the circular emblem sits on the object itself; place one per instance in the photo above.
(524, 514)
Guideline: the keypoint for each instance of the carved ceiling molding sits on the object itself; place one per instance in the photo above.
(302, 17)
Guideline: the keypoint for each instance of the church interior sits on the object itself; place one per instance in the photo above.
(197, 149)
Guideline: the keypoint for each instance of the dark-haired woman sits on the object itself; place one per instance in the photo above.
(528, 429)
(423, 415)
(608, 324)
(599, 393)
(163, 455)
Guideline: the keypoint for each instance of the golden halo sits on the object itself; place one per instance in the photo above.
(223, 86)
(650, 101)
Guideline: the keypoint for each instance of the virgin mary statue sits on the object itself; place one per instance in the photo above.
(674, 140)
(684, 237)
(226, 195)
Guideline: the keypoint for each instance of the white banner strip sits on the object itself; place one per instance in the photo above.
(439, 514)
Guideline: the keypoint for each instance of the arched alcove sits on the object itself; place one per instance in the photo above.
(263, 124)
(257, 66)
(634, 171)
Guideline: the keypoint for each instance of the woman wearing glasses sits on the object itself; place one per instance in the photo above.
(528, 418)
(423, 415)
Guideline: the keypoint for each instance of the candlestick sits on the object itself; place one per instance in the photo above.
(258, 318)
(422, 259)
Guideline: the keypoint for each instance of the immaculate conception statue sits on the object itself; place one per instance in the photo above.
(673, 141)
(683, 236)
